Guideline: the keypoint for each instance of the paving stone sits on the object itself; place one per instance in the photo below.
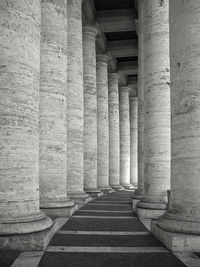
(110, 259)
(103, 225)
(105, 241)
(7, 257)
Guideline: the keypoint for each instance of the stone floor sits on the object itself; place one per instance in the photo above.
(103, 233)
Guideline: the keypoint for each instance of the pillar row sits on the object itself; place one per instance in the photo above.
(19, 113)
(102, 123)
(156, 110)
(90, 109)
(75, 113)
(114, 138)
(53, 91)
(124, 136)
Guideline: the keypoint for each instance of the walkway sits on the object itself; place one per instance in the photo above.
(106, 233)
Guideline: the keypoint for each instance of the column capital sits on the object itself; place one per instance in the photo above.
(102, 58)
(91, 29)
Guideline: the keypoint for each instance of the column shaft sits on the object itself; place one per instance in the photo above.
(53, 84)
(75, 115)
(124, 136)
(90, 109)
(19, 110)
(183, 215)
(102, 123)
(114, 138)
(133, 140)
(140, 189)
(156, 109)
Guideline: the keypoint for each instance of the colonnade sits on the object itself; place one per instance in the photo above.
(65, 123)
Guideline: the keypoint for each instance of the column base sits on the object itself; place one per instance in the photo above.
(127, 186)
(136, 198)
(32, 241)
(60, 212)
(149, 213)
(117, 188)
(176, 242)
(150, 210)
(94, 192)
(106, 190)
(79, 197)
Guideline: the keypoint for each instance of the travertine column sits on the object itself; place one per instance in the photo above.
(183, 215)
(124, 136)
(140, 190)
(102, 123)
(53, 86)
(19, 110)
(114, 140)
(133, 139)
(90, 109)
(156, 109)
(75, 116)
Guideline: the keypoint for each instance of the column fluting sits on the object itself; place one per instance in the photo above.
(124, 136)
(75, 115)
(90, 109)
(114, 137)
(19, 109)
(53, 86)
(156, 109)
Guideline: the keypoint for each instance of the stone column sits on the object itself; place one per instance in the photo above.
(114, 139)
(133, 139)
(53, 85)
(90, 110)
(102, 123)
(156, 109)
(75, 115)
(19, 137)
(124, 136)
(140, 190)
(181, 223)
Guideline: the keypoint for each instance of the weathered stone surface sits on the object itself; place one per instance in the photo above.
(75, 115)
(124, 136)
(140, 190)
(19, 110)
(133, 140)
(90, 108)
(183, 215)
(102, 122)
(177, 242)
(53, 86)
(156, 106)
(114, 139)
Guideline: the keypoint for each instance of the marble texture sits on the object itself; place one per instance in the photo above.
(75, 112)
(183, 215)
(90, 108)
(102, 122)
(19, 109)
(156, 107)
(114, 138)
(53, 92)
(124, 136)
